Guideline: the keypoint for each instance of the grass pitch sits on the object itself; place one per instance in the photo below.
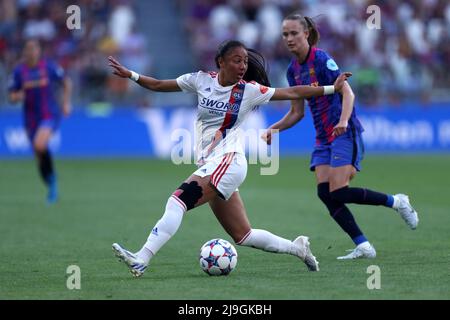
(106, 201)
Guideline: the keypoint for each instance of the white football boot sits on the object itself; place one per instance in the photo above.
(362, 250)
(407, 212)
(305, 253)
(136, 265)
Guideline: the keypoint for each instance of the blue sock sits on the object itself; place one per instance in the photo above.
(340, 213)
(390, 201)
(360, 196)
(52, 183)
(359, 239)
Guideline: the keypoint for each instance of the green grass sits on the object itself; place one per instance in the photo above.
(106, 201)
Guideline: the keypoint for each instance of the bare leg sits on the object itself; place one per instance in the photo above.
(233, 217)
(340, 177)
(41, 139)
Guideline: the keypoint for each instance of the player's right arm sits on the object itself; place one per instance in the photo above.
(16, 96)
(302, 92)
(144, 81)
(15, 89)
(294, 115)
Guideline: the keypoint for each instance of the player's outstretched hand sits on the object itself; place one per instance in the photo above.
(339, 83)
(118, 69)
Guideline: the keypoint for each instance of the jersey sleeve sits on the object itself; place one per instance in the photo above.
(290, 76)
(188, 82)
(56, 72)
(258, 94)
(15, 81)
(329, 69)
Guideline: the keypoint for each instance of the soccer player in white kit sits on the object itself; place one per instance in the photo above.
(225, 98)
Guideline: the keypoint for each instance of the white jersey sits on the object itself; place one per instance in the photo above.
(221, 111)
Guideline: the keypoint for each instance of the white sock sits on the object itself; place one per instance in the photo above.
(145, 254)
(264, 240)
(396, 202)
(164, 229)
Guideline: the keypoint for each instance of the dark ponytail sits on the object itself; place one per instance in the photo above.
(308, 24)
(256, 70)
(314, 35)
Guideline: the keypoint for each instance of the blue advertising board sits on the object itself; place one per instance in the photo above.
(128, 132)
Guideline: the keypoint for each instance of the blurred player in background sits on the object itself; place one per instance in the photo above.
(339, 147)
(225, 100)
(35, 82)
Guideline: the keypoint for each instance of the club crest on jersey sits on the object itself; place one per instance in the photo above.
(263, 89)
(237, 95)
(332, 65)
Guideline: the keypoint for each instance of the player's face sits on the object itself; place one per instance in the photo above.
(294, 36)
(32, 51)
(234, 64)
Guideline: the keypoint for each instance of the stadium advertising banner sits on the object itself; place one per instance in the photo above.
(157, 132)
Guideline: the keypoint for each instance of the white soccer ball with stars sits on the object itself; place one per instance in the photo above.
(218, 257)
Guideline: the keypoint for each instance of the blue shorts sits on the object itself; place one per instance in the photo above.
(346, 149)
(52, 123)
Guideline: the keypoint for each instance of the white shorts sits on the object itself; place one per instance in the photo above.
(227, 173)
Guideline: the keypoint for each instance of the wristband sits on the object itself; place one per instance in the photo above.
(134, 76)
(328, 90)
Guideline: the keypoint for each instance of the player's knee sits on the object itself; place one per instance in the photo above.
(323, 192)
(189, 193)
(39, 147)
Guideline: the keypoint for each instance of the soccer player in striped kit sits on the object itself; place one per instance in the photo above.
(339, 147)
(225, 98)
(35, 83)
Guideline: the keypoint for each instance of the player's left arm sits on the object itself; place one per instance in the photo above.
(67, 93)
(348, 99)
(15, 89)
(329, 72)
(58, 74)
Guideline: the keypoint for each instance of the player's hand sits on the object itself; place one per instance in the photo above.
(339, 83)
(340, 128)
(267, 136)
(118, 69)
(67, 109)
(16, 96)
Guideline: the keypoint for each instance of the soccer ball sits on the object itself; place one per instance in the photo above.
(218, 257)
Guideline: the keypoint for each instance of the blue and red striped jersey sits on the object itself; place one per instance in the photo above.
(39, 84)
(319, 69)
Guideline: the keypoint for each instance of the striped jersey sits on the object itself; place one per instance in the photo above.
(319, 69)
(221, 111)
(39, 84)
